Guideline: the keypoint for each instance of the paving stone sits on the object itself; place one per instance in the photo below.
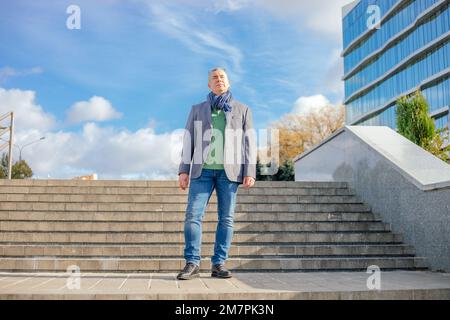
(134, 284)
(242, 286)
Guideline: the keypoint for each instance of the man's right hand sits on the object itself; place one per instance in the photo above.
(183, 181)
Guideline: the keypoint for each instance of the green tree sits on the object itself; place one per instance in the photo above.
(259, 170)
(20, 170)
(439, 144)
(414, 123)
(286, 171)
(4, 167)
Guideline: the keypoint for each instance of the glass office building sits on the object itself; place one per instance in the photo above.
(409, 50)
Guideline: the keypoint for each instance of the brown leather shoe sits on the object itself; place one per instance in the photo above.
(190, 271)
(219, 271)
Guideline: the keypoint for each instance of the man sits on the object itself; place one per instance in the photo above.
(219, 153)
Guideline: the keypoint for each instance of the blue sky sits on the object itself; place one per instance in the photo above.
(135, 67)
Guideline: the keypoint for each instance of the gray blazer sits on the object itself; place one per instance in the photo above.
(239, 142)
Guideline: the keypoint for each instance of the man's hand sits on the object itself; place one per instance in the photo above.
(248, 182)
(183, 181)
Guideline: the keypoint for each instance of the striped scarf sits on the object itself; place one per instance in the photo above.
(221, 102)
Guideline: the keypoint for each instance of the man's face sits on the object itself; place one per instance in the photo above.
(218, 82)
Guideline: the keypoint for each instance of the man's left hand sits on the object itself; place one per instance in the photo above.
(248, 182)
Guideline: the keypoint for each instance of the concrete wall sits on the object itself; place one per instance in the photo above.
(407, 186)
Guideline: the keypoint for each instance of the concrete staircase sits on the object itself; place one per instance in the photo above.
(137, 226)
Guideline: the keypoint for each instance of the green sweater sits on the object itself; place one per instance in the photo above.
(215, 154)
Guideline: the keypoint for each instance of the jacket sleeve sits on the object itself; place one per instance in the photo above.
(250, 147)
(188, 145)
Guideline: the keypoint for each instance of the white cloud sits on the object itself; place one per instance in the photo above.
(307, 104)
(27, 114)
(8, 72)
(229, 5)
(96, 109)
(333, 77)
(177, 23)
(320, 16)
(110, 152)
(139, 149)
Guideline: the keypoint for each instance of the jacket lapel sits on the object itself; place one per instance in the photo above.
(207, 115)
(228, 118)
(230, 115)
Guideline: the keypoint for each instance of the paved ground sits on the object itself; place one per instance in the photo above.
(309, 285)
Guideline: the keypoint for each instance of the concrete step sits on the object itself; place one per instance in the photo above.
(95, 190)
(235, 264)
(256, 207)
(281, 285)
(260, 226)
(208, 237)
(148, 199)
(137, 226)
(179, 216)
(151, 250)
(161, 183)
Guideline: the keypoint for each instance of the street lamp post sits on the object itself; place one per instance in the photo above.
(22, 147)
(26, 145)
(20, 151)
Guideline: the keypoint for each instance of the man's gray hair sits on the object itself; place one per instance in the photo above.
(216, 69)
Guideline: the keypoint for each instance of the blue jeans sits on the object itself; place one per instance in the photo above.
(200, 191)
